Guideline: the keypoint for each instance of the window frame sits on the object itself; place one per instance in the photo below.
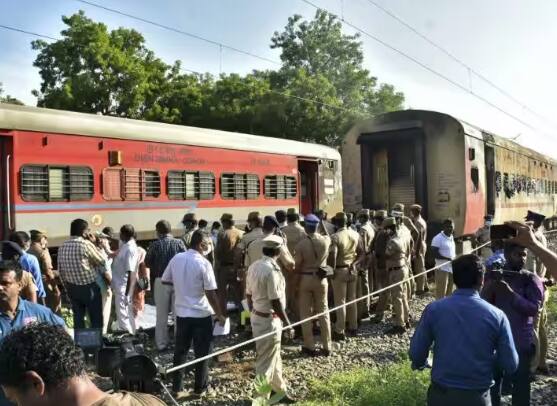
(284, 180)
(126, 194)
(199, 189)
(239, 181)
(67, 194)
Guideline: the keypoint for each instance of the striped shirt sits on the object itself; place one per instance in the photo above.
(160, 253)
(77, 260)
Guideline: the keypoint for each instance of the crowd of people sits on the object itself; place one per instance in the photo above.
(286, 268)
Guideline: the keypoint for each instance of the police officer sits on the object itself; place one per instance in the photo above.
(227, 241)
(396, 260)
(365, 284)
(345, 251)
(253, 232)
(190, 226)
(421, 248)
(311, 254)
(407, 231)
(294, 233)
(379, 265)
(482, 236)
(254, 249)
(266, 297)
(539, 362)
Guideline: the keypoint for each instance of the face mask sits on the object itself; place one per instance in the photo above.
(488, 223)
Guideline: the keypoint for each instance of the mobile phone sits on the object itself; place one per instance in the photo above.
(501, 232)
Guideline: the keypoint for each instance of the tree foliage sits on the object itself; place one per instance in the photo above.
(319, 91)
(7, 98)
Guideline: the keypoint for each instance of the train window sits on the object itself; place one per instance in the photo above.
(280, 187)
(475, 176)
(130, 184)
(44, 183)
(239, 186)
(184, 185)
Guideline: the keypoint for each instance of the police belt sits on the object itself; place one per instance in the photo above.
(342, 267)
(266, 315)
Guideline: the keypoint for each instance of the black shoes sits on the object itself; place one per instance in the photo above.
(338, 336)
(351, 333)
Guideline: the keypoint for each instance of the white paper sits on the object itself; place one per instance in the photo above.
(222, 330)
(245, 305)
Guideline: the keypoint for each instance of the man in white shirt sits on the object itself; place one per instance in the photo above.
(444, 249)
(196, 301)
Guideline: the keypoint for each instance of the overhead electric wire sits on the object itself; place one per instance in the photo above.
(284, 94)
(458, 60)
(27, 32)
(427, 67)
(179, 31)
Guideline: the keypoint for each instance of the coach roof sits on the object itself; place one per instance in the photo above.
(27, 118)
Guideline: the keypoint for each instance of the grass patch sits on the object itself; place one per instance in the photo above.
(394, 385)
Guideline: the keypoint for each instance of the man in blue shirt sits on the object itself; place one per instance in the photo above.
(469, 336)
(15, 312)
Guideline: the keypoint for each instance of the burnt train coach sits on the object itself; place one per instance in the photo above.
(453, 169)
(57, 166)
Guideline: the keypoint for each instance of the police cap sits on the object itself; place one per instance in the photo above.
(533, 216)
(272, 241)
(389, 222)
(311, 220)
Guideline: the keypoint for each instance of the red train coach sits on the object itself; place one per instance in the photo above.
(57, 166)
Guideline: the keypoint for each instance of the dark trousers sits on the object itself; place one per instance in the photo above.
(520, 381)
(86, 299)
(200, 331)
(438, 395)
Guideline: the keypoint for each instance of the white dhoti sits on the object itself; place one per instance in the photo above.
(123, 302)
(268, 362)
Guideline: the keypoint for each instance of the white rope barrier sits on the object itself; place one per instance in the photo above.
(315, 316)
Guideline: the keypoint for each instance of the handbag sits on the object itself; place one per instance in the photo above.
(324, 271)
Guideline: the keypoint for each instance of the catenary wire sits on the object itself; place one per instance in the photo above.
(458, 60)
(429, 69)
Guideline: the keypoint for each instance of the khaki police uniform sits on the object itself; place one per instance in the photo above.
(540, 322)
(397, 267)
(311, 253)
(381, 275)
(265, 283)
(365, 284)
(227, 242)
(421, 248)
(294, 233)
(481, 237)
(345, 243)
(255, 251)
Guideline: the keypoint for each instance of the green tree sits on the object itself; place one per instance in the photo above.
(92, 69)
(8, 99)
(322, 63)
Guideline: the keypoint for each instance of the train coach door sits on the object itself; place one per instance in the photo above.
(490, 178)
(6, 164)
(308, 172)
(380, 182)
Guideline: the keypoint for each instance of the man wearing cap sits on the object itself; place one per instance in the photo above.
(253, 233)
(227, 241)
(364, 284)
(190, 226)
(346, 249)
(312, 252)
(39, 248)
(294, 233)
(379, 265)
(266, 295)
(482, 236)
(322, 215)
(408, 231)
(396, 261)
(255, 252)
(421, 247)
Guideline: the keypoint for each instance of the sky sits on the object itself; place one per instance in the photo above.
(509, 42)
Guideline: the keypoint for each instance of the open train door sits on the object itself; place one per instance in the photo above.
(381, 178)
(308, 172)
(6, 187)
